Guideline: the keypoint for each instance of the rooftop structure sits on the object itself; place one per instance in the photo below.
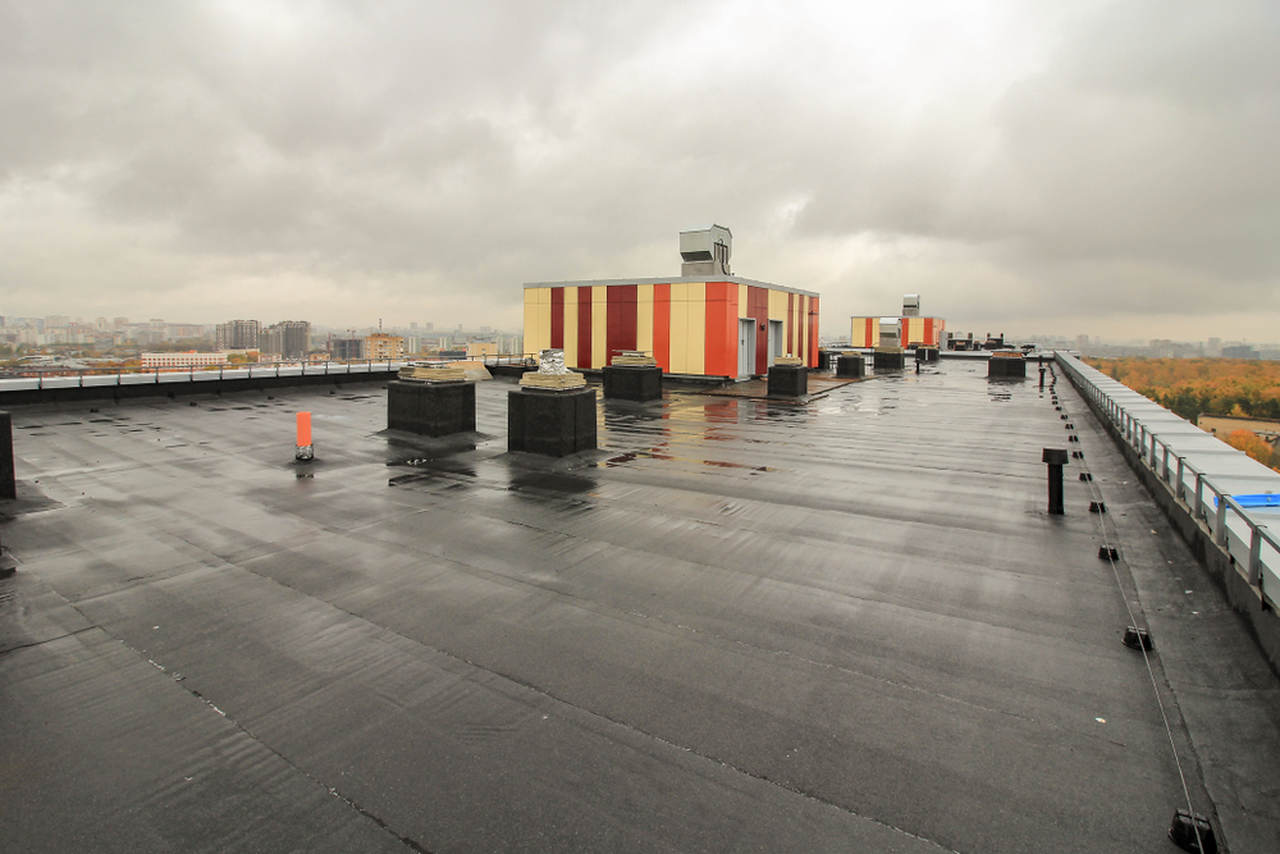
(703, 323)
(839, 624)
(908, 329)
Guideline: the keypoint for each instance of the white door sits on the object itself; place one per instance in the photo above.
(746, 347)
(775, 340)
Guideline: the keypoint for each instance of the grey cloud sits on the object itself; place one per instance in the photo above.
(474, 146)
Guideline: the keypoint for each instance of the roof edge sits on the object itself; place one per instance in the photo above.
(737, 280)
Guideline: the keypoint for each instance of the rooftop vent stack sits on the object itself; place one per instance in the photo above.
(706, 251)
(910, 305)
(890, 332)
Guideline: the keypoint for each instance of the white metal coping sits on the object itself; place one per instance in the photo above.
(151, 376)
(737, 280)
(1201, 471)
(91, 378)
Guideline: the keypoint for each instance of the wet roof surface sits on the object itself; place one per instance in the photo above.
(842, 625)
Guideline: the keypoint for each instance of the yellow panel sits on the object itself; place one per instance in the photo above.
(679, 327)
(909, 328)
(537, 319)
(742, 301)
(777, 305)
(697, 352)
(858, 332)
(599, 326)
(644, 318)
(571, 326)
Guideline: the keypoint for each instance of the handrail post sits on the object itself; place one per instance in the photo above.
(1220, 526)
(1164, 461)
(1199, 505)
(1255, 553)
(1180, 491)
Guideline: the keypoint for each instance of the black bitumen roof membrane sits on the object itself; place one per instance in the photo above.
(846, 624)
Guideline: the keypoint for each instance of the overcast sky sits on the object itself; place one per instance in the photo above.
(1031, 167)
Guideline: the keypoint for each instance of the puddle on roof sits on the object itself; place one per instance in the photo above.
(540, 481)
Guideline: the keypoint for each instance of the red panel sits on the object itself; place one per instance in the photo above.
(813, 332)
(758, 307)
(557, 318)
(928, 332)
(789, 323)
(870, 331)
(721, 354)
(584, 327)
(621, 321)
(662, 325)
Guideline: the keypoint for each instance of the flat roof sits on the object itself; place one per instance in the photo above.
(843, 624)
(737, 280)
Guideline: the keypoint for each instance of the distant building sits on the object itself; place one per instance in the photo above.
(288, 338)
(381, 346)
(236, 335)
(189, 359)
(480, 349)
(1239, 351)
(908, 329)
(346, 349)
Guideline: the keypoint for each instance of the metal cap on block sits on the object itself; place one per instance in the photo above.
(1054, 456)
(637, 358)
(1136, 638)
(1192, 832)
(552, 375)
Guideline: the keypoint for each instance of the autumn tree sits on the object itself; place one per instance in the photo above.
(1192, 387)
(1252, 444)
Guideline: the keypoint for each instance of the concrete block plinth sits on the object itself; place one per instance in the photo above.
(552, 423)
(788, 380)
(431, 408)
(633, 382)
(851, 365)
(889, 360)
(8, 479)
(1007, 367)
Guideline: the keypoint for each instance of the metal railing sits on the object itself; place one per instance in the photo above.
(54, 378)
(1201, 471)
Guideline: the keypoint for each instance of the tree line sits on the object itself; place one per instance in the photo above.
(1195, 387)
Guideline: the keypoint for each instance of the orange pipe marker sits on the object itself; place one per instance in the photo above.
(304, 450)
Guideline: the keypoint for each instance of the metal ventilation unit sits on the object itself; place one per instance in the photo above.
(910, 305)
(706, 251)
